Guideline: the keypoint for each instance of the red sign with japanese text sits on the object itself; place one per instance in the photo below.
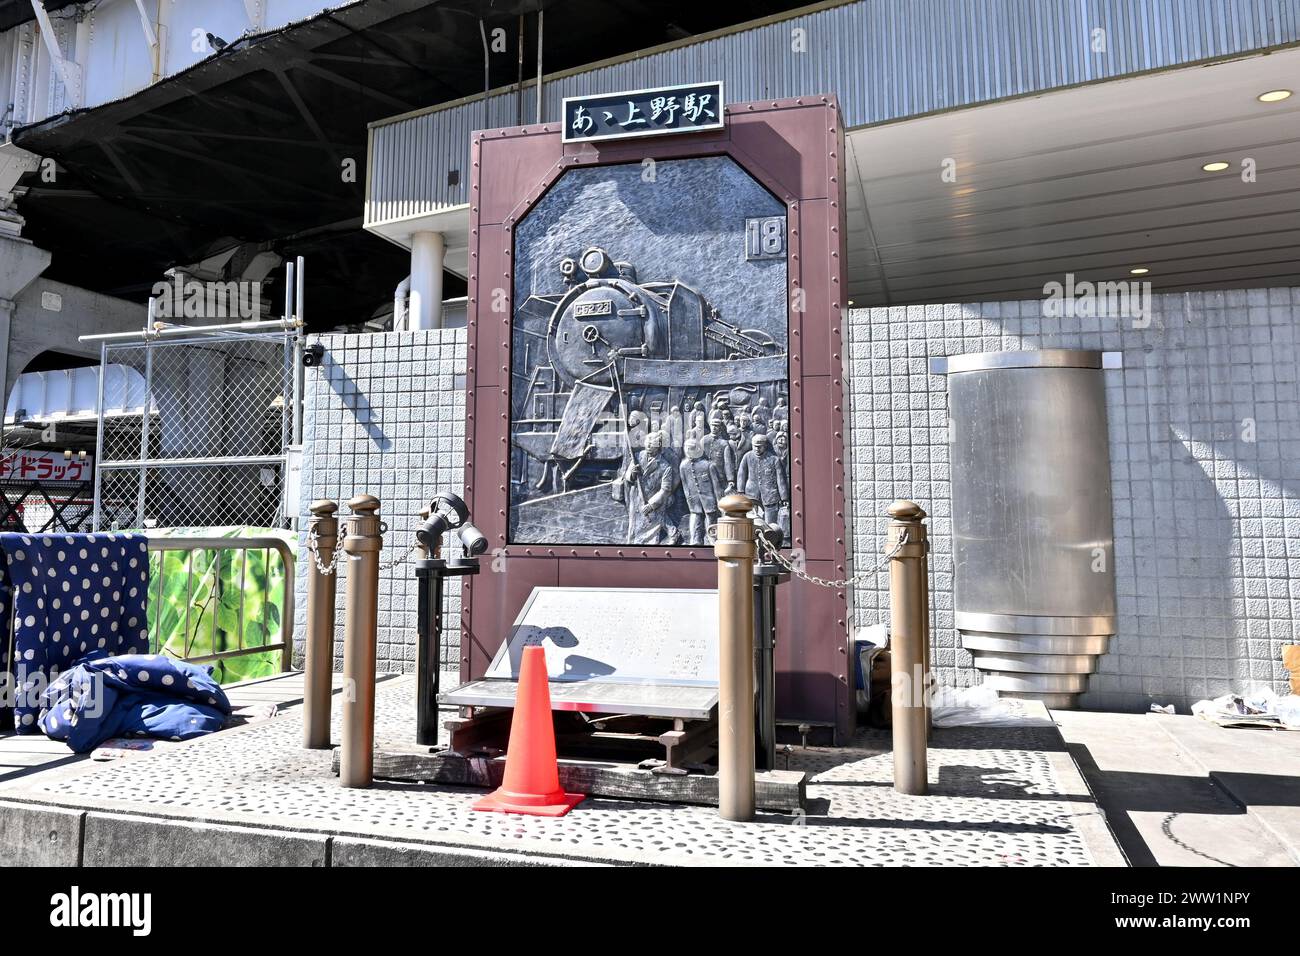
(23, 464)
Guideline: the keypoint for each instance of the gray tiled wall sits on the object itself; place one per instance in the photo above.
(1207, 524)
(385, 413)
(1207, 521)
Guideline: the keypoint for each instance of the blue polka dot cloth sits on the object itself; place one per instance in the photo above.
(70, 595)
(132, 695)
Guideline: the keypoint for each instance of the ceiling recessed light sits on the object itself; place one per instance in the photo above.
(1139, 271)
(1274, 96)
(1217, 166)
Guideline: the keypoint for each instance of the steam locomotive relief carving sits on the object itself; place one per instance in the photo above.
(637, 405)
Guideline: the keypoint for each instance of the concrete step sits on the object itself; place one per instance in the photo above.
(1256, 767)
(1163, 803)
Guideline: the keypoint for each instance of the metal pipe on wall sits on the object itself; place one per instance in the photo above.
(299, 371)
(400, 312)
(487, 73)
(541, 12)
(96, 518)
(144, 433)
(289, 288)
(519, 78)
(361, 619)
(300, 288)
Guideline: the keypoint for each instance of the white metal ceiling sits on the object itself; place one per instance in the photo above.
(1094, 180)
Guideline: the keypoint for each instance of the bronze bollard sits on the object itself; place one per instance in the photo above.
(735, 551)
(361, 618)
(318, 666)
(908, 636)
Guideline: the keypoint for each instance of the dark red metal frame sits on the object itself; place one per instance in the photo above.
(795, 148)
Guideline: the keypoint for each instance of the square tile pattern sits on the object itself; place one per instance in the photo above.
(1204, 422)
(385, 414)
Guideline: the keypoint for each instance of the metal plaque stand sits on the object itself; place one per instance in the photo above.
(635, 697)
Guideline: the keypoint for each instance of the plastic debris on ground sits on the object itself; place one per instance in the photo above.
(979, 707)
(1255, 707)
(119, 747)
(1163, 709)
(251, 714)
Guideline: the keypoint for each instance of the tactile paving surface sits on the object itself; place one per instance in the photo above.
(995, 800)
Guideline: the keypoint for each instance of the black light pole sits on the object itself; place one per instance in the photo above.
(767, 575)
(447, 513)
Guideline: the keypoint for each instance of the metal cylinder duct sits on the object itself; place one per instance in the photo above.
(1033, 534)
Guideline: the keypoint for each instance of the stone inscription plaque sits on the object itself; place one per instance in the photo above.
(619, 635)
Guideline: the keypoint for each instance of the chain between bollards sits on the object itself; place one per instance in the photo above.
(908, 642)
(362, 545)
(735, 550)
(318, 665)
(327, 565)
(773, 553)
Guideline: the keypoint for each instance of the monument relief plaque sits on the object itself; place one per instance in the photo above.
(649, 359)
(655, 321)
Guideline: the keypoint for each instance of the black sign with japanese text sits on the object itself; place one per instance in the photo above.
(673, 109)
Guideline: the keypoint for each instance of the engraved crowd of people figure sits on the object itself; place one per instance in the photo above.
(711, 450)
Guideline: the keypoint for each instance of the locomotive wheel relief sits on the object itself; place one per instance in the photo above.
(650, 373)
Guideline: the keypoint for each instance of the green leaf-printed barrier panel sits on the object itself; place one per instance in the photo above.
(223, 584)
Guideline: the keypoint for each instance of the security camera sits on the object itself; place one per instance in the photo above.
(312, 355)
(447, 512)
(473, 541)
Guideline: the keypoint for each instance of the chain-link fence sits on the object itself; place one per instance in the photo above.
(209, 444)
(36, 506)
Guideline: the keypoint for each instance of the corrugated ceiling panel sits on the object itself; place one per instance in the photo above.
(885, 59)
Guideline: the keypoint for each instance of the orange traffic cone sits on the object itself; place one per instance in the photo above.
(532, 782)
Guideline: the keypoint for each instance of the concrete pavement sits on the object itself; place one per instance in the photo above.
(999, 796)
(1179, 791)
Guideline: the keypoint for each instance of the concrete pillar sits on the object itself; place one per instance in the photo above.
(7, 378)
(20, 264)
(427, 251)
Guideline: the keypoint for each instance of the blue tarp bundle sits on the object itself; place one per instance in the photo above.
(79, 637)
(132, 695)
